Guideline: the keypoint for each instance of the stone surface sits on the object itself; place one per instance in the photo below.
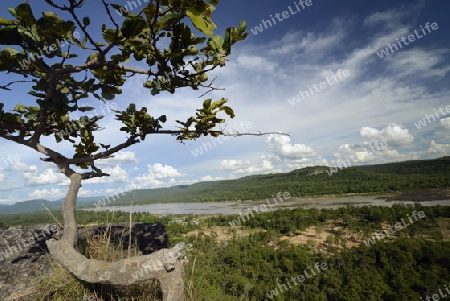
(23, 252)
(148, 238)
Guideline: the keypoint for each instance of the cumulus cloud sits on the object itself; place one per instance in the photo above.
(48, 176)
(281, 146)
(147, 181)
(117, 175)
(45, 193)
(163, 171)
(88, 192)
(439, 149)
(445, 123)
(350, 155)
(394, 134)
(247, 167)
(121, 157)
(211, 178)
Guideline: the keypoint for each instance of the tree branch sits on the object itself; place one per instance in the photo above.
(5, 87)
(82, 27)
(106, 154)
(236, 134)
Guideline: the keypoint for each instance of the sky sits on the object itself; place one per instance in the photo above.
(354, 82)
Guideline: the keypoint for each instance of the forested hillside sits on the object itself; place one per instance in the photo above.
(306, 182)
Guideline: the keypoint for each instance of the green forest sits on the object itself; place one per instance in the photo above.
(409, 265)
(305, 182)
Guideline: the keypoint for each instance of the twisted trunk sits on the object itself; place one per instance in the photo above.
(166, 265)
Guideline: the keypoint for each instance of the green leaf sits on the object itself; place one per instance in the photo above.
(52, 15)
(216, 42)
(12, 11)
(109, 35)
(162, 118)
(6, 22)
(25, 14)
(201, 23)
(11, 51)
(108, 93)
(242, 27)
(86, 21)
(207, 103)
(229, 111)
(168, 19)
(132, 27)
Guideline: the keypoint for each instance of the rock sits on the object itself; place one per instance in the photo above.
(23, 250)
(146, 237)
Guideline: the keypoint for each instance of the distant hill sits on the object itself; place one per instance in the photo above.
(304, 182)
(440, 165)
(30, 206)
(41, 205)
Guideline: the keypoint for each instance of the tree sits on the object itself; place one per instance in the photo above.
(160, 37)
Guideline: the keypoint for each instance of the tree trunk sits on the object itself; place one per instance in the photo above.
(166, 265)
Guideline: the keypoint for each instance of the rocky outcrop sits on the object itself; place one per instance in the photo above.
(23, 252)
(147, 238)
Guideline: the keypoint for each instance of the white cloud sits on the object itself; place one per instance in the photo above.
(350, 155)
(45, 193)
(121, 157)
(83, 192)
(247, 167)
(2, 177)
(256, 63)
(211, 178)
(48, 176)
(439, 149)
(394, 135)
(21, 166)
(281, 146)
(445, 123)
(117, 175)
(396, 90)
(392, 17)
(147, 181)
(158, 170)
(419, 63)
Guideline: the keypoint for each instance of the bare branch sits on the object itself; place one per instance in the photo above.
(82, 27)
(5, 87)
(94, 63)
(210, 87)
(236, 134)
(93, 174)
(116, 36)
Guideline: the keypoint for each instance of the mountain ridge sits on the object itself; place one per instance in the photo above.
(305, 182)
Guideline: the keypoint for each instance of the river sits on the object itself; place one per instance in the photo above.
(227, 208)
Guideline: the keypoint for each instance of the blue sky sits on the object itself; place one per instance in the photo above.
(351, 99)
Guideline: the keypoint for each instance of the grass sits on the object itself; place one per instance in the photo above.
(59, 284)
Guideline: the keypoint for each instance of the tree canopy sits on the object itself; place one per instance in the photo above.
(170, 44)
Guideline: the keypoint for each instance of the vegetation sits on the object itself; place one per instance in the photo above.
(306, 182)
(409, 265)
(167, 45)
(419, 180)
